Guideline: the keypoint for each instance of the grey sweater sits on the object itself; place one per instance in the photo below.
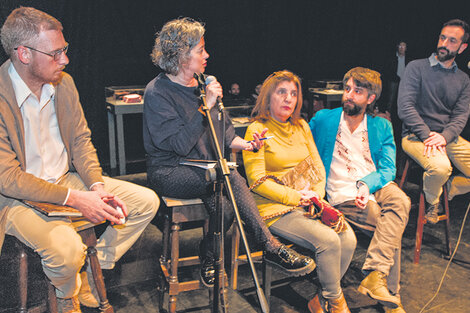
(433, 98)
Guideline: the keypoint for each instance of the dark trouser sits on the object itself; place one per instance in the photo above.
(188, 182)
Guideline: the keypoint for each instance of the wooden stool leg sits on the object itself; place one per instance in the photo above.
(89, 239)
(404, 175)
(51, 298)
(267, 278)
(23, 279)
(420, 226)
(447, 218)
(166, 239)
(175, 254)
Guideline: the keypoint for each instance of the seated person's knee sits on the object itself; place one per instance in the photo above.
(66, 252)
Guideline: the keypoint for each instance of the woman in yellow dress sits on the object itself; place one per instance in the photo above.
(278, 109)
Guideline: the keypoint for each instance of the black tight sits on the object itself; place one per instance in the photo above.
(188, 182)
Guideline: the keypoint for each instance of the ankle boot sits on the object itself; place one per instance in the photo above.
(317, 304)
(338, 305)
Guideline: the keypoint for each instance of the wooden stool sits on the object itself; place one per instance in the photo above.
(178, 213)
(22, 253)
(86, 231)
(422, 207)
(239, 259)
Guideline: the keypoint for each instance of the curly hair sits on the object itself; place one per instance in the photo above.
(368, 79)
(261, 111)
(174, 43)
(23, 26)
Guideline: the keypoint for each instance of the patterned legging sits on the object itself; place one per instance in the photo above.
(188, 182)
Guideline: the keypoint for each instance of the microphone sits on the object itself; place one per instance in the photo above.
(220, 104)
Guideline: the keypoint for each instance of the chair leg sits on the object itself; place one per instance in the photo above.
(447, 219)
(419, 227)
(89, 239)
(267, 279)
(175, 254)
(404, 174)
(51, 298)
(23, 279)
(165, 239)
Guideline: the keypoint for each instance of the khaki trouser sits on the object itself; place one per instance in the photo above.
(385, 220)
(438, 168)
(60, 247)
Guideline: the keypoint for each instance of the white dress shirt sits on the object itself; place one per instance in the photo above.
(351, 161)
(46, 156)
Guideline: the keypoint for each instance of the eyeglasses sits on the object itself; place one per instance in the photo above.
(54, 54)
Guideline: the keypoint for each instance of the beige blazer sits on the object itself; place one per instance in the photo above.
(15, 183)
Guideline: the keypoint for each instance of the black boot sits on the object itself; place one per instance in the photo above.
(290, 261)
(207, 273)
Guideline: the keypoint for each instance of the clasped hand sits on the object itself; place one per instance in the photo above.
(97, 205)
(435, 142)
(306, 196)
(362, 196)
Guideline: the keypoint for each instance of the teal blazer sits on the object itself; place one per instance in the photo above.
(324, 126)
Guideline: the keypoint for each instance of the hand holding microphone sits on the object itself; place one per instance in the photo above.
(214, 93)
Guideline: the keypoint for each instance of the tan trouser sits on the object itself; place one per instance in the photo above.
(60, 247)
(384, 220)
(438, 168)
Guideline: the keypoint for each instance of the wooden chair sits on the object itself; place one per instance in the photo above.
(21, 253)
(86, 231)
(238, 259)
(178, 215)
(422, 207)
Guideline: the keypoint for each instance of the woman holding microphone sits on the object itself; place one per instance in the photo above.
(175, 129)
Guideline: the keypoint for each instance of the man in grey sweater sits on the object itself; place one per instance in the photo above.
(433, 103)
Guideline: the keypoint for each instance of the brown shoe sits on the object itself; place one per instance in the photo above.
(375, 286)
(88, 295)
(68, 305)
(400, 309)
(337, 305)
(315, 305)
(432, 213)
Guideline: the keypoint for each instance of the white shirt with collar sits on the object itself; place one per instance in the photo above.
(351, 161)
(46, 156)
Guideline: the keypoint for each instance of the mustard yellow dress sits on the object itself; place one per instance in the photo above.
(291, 144)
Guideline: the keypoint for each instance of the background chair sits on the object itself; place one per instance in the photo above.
(410, 164)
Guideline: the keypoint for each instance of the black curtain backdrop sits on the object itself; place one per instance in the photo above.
(110, 42)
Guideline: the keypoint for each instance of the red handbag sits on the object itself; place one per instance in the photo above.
(328, 215)
(297, 178)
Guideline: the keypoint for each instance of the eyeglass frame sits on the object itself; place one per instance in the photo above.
(55, 54)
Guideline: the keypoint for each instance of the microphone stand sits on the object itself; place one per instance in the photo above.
(222, 179)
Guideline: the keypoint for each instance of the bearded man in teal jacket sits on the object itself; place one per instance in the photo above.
(358, 152)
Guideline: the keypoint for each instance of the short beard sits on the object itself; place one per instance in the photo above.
(448, 56)
(355, 110)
